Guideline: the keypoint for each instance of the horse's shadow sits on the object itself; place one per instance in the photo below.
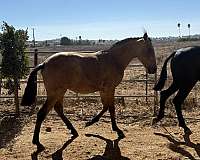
(56, 155)
(175, 145)
(10, 126)
(112, 150)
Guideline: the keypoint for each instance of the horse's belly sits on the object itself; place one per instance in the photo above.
(84, 89)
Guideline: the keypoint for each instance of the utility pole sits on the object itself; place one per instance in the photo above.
(33, 38)
(189, 30)
(179, 29)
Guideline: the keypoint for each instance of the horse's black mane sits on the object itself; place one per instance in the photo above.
(124, 41)
(119, 43)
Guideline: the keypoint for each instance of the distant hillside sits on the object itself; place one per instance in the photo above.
(56, 42)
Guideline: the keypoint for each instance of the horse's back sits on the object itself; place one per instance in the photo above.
(76, 71)
(185, 63)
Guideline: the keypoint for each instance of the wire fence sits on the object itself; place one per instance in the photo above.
(136, 84)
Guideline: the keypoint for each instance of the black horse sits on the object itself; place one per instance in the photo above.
(185, 68)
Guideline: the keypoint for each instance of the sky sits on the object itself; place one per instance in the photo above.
(101, 19)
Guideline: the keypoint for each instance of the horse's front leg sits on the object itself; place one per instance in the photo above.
(164, 95)
(113, 121)
(108, 100)
(104, 100)
(97, 117)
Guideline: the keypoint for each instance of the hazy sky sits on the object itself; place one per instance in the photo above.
(102, 19)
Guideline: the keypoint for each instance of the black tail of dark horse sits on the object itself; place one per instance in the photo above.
(31, 89)
(163, 75)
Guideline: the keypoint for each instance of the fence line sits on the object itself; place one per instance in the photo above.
(146, 81)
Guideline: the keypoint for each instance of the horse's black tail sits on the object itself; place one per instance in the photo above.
(163, 75)
(31, 89)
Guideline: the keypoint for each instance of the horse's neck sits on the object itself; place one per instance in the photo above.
(123, 55)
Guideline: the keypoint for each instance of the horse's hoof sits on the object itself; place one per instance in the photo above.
(88, 135)
(74, 133)
(89, 123)
(187, 131)
(40, 147)
(155, 121)
(120, 135)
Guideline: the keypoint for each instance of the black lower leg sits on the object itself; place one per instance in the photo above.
(40, 118)
(163, 99)
(164, 95)
(97, 117)
(59, 109)
(182, 121)
(69, 125)
(178, 102)
(114, 124)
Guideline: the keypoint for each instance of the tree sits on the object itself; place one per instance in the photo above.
(14, 58)
(65, 41)
(179, 29)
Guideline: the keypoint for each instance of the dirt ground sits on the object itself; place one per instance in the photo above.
(98, 142)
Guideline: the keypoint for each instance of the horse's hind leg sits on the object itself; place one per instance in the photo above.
(59, 109)
(164, 95)
(42, 113)
(98, 116)
(178, 100)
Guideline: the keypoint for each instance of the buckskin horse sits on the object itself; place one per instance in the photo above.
(85, 73)
(185, 68)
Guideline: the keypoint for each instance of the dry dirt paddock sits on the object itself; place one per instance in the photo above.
(98, 142)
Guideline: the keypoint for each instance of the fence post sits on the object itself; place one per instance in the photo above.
(155, 97)
(195, 95)
(35, 57)
(146, 92)
(0, 85)
(35, 64)
(16, 95)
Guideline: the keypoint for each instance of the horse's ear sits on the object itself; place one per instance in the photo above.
(145, 36)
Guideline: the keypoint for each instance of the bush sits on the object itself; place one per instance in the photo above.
(14, 64)
(65, 41)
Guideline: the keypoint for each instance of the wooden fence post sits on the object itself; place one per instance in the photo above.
(146, 83)
(35, 64)
(0, 85)
(35, 57)
(195, 95)
(16, 96)
(155, 97)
